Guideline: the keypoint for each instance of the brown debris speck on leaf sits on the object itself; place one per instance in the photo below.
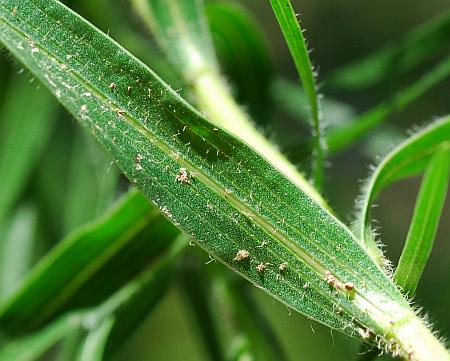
(242, 255)
(282, 267)
(349, 286)
(331, 280)
(261, 267)
(183, 176)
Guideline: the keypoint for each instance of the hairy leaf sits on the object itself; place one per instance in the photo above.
(407, 159)
(341, 138)
(221, 192)
(297, 45)
(182, 22)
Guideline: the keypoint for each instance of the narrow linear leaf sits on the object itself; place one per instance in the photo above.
(195, 288)
(24, 131)
(16, 249)
(250, 324)
(243, 55)
(363, 124)
(397, 58)
(93, 346)
(129, 306)
(293, 35)
(425, 221)
(182, 22)
(342, 138)
(292, 99)
(236, 199)
(31, 347)
(407, 159)
(107, 326)
(91, 185)
(90, 264)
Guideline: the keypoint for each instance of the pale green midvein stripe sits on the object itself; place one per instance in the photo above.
(317, 267)
(201, 72)
(145, 131)
(174, 10)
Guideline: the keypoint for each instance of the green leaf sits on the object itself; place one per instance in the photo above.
(16, 248)
(124, 311)
(195, 287)
(293, 100)
(91, 184)
(363, 124)
(31, 347)
(293, 35)
(341, 138)
(138, 298)
(249, 326)
(24, 131)
(407, 159)
(397, 58)
(105, 327)
(218, 190)
(243, 56)
(190, 50)
(181, 24)
(425, 221)
(89, 265)
(93, 346)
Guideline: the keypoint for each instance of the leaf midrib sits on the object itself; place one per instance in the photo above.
(318, 268)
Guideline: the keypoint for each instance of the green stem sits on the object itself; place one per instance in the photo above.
(215, 99)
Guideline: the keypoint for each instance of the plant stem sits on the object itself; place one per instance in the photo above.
(418, 341)
(213, 97)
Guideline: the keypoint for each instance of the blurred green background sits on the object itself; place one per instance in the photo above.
(338, 32)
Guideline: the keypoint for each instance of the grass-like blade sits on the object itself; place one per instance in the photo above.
(409, 158)
(89, 265)
(33, 346)
(103, 329)
(182, 22)
(292, 100)
(397, 58)
(195, 288)
(341, 138)
(293, 35)
(243, 55)
(425, 221)
(124, 311)
(91, 184)
(93, 347)
(24, 131)
(16, 248)
(218, 190)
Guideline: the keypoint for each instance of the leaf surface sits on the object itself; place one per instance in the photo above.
(218, 190)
